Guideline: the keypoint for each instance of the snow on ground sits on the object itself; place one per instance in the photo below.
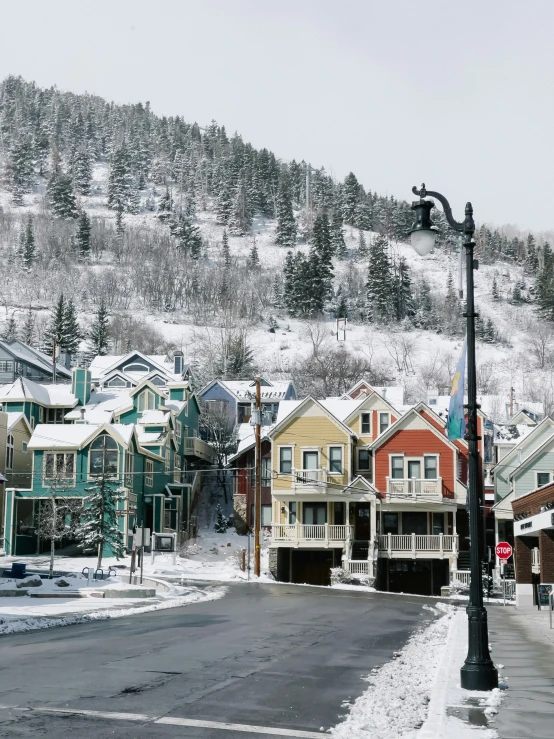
(410, 696)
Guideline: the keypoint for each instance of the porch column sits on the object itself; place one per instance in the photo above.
(524, 579)
(546, 551)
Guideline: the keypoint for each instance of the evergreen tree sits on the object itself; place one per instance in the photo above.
(119, 222)
(285, 234)
(225, 248)
(19, 165)
(187, 236)
(133, 203)
(451, 302)
(82, 237)
(165, 206)
(27, 248)
(28, 329)
(403, 301)
(425, 316)
(60, 195)
(55, 332)
(119, 181)
(71, 328)
(240, 218)
(362, 246)
(338, 245)
(82, 171)
(98, 528)
(220, 526)
(99, 332)
(224, 203)
(379, 282)
(341, 305)
(317, 273)
(9, 331)
(350, 197)
(253, 258)
(495, 293)
(517, 296)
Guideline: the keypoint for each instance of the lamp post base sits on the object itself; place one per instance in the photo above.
(478, 672)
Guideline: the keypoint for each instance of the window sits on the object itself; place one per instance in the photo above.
(285, 460)
(129, 468)
(363, 459)
(6, 366)
(292, 513)
(54, 415)
(432, 401)
(178, 430)
(146, 401)
(414, 469)
(136, 367)
(32, 423)
(397, 468)
(543, 478)
(310, 460)
(167, 459)
(384, 422)
(430, 465)
(40, 414)
(149, 473)
(414, 522)
(103, 457)
(266, 515)
(335, 460)
(59, 465)
(177, 468)
(9, 452)
(366, 423)
(177, 364)
(315, 513)
(390, 523)
(116, 382)
(24, 447)
(157, 380)
(438, 523)
(266, 472)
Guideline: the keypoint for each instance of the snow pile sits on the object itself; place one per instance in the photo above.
(409, 696)
(27, 619)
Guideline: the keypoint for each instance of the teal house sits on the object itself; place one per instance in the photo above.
(144, 439)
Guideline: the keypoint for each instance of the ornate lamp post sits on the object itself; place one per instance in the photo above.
(478, 671)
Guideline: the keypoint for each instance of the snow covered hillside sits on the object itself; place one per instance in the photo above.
(186, 257)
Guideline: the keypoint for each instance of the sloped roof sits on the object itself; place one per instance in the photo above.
(23, 389)
(246, 389)
(74, 436)
(26, 353)
(102, 367)
(14, 418)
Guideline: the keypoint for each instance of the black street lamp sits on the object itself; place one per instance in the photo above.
(478, 671)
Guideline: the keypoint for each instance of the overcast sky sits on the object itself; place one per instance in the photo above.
(457, 94)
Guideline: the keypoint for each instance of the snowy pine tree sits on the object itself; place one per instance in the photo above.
(71, 329)
(495, 293)
(27, 249)
(98, 528)
(28, 329)
(337, 236)
(55, 332)
(379, 285)
(99, 332)
(119, 181)
(220, 526)
(60, 195)
(225, 248)
(9, 330)
(82, 171)
(82, 237)
(285, 234)
(253, 261)
(165, 206)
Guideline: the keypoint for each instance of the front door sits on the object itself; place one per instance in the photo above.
(362, 529)
(310, 462)
(414, 469)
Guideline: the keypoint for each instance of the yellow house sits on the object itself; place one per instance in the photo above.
(15, 460)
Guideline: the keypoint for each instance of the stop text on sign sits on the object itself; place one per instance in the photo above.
(503, 550)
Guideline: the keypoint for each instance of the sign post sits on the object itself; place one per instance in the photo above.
(503, 552)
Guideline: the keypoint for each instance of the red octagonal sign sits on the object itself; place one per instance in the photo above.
(503, 550)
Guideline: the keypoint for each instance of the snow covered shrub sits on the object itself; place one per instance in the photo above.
(32, 581)
(221, 521)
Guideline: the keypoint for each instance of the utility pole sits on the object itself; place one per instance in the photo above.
(258, 486)
(512, 393)
(54, 347)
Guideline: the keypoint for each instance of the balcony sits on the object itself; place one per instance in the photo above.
(306, 535)
(418, 546)
(195, 447)
(309, 481)
(415, 487)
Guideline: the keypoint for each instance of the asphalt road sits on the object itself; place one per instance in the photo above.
(273, 660)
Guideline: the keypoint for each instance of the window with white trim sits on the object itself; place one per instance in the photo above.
(136, 367)
(6, 366)
(167, 459)
(103, 457)
(24, 446)
(335, 460)
(9, 452)
(40, 413)
(397, 468)
(54, 415)
(285, 460)
(129, 468)
(149, 473)
(178, 430)
(59, 466)
(116, 382)
(266, 472)
(384, 422)
(430, 467)
(364, 463)
(543, 478)
(365, 421)
(146, 401)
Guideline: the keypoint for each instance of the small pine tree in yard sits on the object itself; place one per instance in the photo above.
(82, 237)
(99, 332)
(220, 526)
(98, 528)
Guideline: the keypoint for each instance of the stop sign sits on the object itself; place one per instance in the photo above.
(503, 550)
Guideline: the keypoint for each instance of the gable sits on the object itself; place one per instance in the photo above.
(313, 422)
(528, 445)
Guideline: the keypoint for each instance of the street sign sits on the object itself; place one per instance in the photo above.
(503, 550)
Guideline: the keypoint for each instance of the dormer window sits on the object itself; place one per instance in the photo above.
(146, 401)
(178, 364)
(136, 367)
(157, 380)
(116, 382)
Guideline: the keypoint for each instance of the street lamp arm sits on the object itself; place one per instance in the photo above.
(467, 227)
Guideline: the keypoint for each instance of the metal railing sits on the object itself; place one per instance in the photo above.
(309, 532)
(435, 543)
(415, 486)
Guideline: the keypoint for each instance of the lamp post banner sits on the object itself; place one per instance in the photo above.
(456, 423)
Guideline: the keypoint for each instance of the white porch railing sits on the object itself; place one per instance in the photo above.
(316, 479)
(415, 486)
(358, 566)
(309, 532)
(433, 543)
(196, 447)
(462, 576)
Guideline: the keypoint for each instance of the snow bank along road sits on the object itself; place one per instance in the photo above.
(265, 660)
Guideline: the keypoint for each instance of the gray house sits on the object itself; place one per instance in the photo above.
(241, 394)
(20, 360)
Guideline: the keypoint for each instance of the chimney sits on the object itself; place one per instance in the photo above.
(65, 358)
(81, 383)
(83, 411)
(178, 362)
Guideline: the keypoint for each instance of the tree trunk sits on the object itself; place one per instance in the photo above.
(52, 550)
(99, 563)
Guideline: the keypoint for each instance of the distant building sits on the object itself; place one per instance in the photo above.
(20, 360)
(239, 395)
(128, 370)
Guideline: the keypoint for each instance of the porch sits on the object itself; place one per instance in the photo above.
(423, 546)
(196, 447)
(306, 535)
(415, 487)
(309, 480)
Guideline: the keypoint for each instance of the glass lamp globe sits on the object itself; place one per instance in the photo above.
(423, 241)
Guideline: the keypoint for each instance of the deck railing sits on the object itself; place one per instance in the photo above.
(309, 532)
(415, 487)
(316, 479)
(432, 543)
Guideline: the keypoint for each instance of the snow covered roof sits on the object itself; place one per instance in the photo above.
(102, 406)
(246, 389)
(74, 436)
(23, 389)
(26, 353)
(247, 439)
(14, 418)
(393, 394)
(340, 408)
(511, 434)
(147, 437)
(102, 367)
(154, 418)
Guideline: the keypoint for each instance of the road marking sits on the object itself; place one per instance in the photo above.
(175, 721)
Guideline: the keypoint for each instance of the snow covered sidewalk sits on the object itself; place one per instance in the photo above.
(418, 693)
